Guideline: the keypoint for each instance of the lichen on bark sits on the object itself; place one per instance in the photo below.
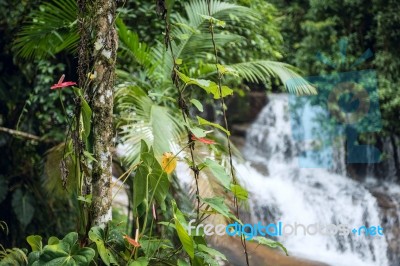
(101, 94)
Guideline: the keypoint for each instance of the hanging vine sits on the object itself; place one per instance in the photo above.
(162, 10)
(223, 107)
(177, 78)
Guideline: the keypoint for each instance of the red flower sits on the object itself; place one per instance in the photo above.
(62, 84)
(204, 140)
(132, 241)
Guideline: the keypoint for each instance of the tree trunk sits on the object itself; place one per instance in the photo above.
(101, 98)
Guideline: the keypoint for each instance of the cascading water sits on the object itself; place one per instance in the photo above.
(280, 190)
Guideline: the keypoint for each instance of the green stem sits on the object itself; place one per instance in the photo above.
(62, 105)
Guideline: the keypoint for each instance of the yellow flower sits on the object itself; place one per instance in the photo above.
(168, 162)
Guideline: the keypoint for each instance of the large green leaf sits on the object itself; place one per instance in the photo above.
(182, 263)
(178, 214)
(33, 257)
(150, 246)
(181, 229)
(158, 179)
(239, 192)
(197, 104)
(86, 117)
(219, 206)
(203, 121)
(96, 234)
(270, 243)
(150, 180)
(66, 253)
(22, 203)
(142, 261)
(207, 85)
(211, 251)
(219, 172)
(186, 240)
(35, 241)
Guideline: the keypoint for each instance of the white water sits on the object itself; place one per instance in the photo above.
(282, 191)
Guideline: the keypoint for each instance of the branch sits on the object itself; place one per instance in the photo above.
(20, 133)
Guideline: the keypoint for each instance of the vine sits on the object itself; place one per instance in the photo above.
(176, 77)
(223, 107)
(162, 10)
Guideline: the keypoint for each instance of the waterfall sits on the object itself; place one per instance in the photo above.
(280, 190)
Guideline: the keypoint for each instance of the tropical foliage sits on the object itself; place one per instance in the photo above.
(176, 71)
(149, 125)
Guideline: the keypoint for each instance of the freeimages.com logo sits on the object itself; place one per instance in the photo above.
(346, 105)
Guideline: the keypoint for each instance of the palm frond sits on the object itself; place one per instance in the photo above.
(142, 119)
(219, 10)
(203, 43)
(50, 29)
(197, 31)
(131, 46)
(191, 33)
(261, 70)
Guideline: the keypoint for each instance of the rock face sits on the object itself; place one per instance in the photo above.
(386, 171)
(245, 109)
(388, 168)
(390, 206)
(242, 111)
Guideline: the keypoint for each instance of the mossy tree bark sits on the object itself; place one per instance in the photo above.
(101, 99)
